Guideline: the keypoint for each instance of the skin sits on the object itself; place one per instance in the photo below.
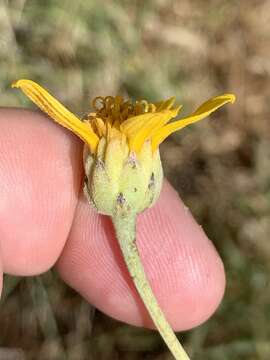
(45, 220)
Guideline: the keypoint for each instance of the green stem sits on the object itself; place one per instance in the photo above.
(125, 226)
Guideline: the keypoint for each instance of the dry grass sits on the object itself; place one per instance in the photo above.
(155, 49)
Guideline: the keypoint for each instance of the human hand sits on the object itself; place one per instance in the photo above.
(44, 221)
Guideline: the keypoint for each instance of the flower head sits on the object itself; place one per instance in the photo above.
(122, 141)
(115, 117)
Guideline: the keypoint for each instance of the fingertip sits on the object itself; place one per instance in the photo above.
(183, 267)
(185, 270)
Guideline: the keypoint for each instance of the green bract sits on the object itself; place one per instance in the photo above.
(115, 176)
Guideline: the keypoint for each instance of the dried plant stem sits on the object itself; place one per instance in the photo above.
(125, 226)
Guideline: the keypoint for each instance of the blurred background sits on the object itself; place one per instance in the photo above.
(148, 49)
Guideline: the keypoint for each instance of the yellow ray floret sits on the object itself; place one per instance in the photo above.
(57, 111)
(116, 117)
(140, 128)
(203, 111)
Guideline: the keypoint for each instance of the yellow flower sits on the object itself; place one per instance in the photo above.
(122, 140)
(114, 117)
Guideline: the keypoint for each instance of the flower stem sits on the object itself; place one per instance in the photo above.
(125, 227)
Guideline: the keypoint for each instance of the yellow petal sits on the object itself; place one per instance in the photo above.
(203, 111)
(139, 128)
(57, 111)
(135, 123)
(139, 134)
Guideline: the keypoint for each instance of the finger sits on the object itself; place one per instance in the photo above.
(40, 167)
(184, 270)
